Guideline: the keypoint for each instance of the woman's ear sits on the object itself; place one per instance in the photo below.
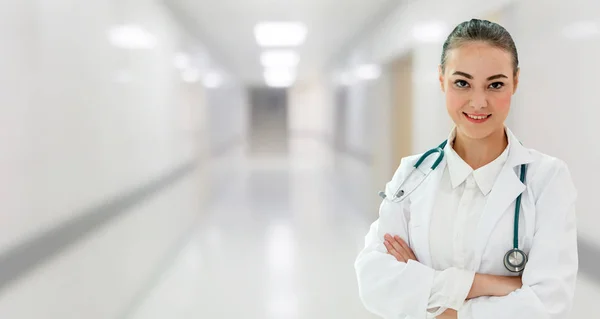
(516, 80)
(441, 78)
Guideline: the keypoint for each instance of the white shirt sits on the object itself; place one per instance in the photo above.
(459, 203)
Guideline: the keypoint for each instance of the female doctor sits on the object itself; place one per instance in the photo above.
(449, 241)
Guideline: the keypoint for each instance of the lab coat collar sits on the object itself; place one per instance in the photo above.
(484, 177)
(459, 170)
(514, 155)
(517, 154)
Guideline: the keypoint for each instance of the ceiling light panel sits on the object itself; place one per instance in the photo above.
(279, 58)
(279, 77)
(280, 34)
(430, 32)
(131, 37)
(368, 72)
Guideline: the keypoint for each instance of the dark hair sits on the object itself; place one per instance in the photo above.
(484, 31)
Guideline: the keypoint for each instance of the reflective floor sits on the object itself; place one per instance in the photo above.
(278, 241)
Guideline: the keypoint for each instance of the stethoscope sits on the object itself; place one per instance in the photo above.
(515, 259)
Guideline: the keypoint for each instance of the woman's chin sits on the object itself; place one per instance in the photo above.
(478, 132)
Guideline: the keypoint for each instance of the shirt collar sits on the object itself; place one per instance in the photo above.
(484, 176)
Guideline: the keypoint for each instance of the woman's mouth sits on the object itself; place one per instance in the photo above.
(477, 118)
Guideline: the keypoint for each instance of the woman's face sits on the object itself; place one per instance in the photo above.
(478, 82)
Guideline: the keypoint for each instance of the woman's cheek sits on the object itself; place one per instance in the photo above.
(455, 100)
(502, 101)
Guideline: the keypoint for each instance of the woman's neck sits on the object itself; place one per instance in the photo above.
(479, 152)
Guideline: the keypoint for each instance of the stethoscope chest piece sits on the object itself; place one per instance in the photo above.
(515, 260)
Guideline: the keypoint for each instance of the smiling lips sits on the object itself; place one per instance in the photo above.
(477, 118)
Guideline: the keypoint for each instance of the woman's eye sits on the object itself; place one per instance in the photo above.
(496, 85)
(461, 83)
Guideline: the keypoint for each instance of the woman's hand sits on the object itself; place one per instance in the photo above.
(398, 248)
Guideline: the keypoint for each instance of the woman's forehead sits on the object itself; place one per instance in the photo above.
(478, 58)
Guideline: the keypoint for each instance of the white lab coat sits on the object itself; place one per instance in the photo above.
(547, 233)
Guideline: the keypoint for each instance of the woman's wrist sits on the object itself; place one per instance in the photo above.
(448, 314)
(491, 285)
(478, 286)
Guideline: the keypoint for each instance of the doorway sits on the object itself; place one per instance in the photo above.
(268, 121)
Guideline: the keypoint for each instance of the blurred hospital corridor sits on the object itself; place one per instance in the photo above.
(283, 248)
(188, 159)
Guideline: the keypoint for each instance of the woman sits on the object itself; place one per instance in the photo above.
(438, 249)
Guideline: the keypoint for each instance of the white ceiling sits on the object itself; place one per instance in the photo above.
(226, 27)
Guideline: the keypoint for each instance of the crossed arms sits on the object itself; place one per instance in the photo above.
(482, 284)
(393, 284)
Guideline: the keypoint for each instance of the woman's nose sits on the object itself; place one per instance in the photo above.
(478, 100)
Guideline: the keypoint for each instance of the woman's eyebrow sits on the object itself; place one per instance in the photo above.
(497, 76)
(468, 76)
